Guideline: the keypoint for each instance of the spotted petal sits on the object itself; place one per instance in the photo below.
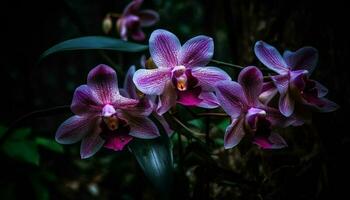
(85, 101)
(152, 81)
(164, 48)
(209, 76)
(102, 80)
(196, 52)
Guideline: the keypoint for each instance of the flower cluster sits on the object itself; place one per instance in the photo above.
(111, 117)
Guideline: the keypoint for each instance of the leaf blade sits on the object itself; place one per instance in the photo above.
(93, 43)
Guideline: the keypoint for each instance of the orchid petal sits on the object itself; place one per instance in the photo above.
(286, 104)
(234, 132)
(167, 100)
(321, 89)
(164, 123)
(231, 97)
(118, 142)
(270, 57)
(209, 100)
(148, 17)
(85, 101)
(152, 81)
(74, 129)
(138, 35)
(92, 142)
(269, 91)
(320, 104)
(189, 97)
(132, 7)
(129, 85)
(281, 83)
(274, 141)
(164, 48)
(303, 59)
(251, 80)
(209, 76)
(103, 81)
(196, 52)
(141, 127)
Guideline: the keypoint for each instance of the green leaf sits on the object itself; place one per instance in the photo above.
(94, 43)
(155, 159)
(22, 150)
(2, 130)
(49, 144)
(21, 134)
(41, 191)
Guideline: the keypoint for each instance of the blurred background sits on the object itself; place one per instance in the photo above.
(34, 166)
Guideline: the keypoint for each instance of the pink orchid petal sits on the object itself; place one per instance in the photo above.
(118, 142)
(286, 104)
(102, 80)
(164, 123)
(138, 35)
(189, 97)
(269, 91)
(132, 7)
(74, 129)
(209, 100)
(270, 57)
(234, 132)
(167, 100)
(196, 52)
(274, 141)
(140, 127)
(303, 59)
(231, 97)
(321, 89)
(129, 85)
(92, 142)
(164, 48)
(152, 81)
(148, 17)
(320, 104)
(85, 101)
(209, 76)
(251, 80)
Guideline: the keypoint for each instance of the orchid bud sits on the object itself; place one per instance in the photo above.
(107, 24)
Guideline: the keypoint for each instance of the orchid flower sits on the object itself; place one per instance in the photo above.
(292, 81)
(103, 117)
(132, 20)
(248, 114)
(145, 101)
(180, 75)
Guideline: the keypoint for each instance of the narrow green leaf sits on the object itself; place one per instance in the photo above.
(22, 150)
(94, 42)
(155, 158)
(49, 144)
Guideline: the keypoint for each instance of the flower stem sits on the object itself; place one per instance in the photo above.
(38, 113)
(212, 114)
(195, 133)
(226, 64)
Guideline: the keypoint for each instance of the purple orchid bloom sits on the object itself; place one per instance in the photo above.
(145, 101)
(103, 117)
(180, 75)
(248, 114)
(293, 83)
(132, 20)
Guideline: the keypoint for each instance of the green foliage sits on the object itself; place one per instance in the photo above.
(94, 43)
(49, 144)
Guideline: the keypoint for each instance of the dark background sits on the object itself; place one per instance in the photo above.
(30, 27)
